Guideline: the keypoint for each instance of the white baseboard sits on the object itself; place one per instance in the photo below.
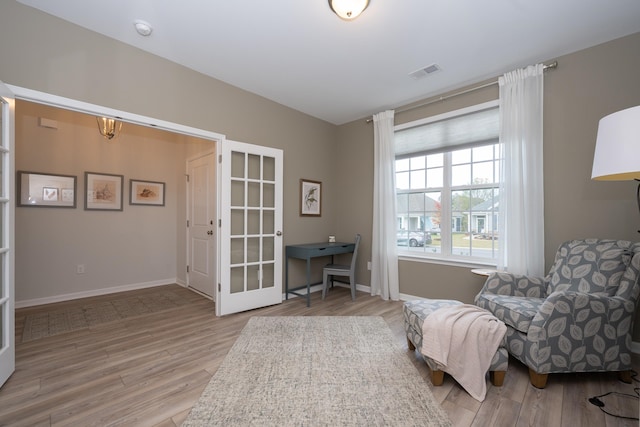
(94, 293)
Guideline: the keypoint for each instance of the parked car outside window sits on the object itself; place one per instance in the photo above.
(414, 238)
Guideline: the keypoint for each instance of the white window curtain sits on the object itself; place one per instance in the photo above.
(384, 257)
(521, 216)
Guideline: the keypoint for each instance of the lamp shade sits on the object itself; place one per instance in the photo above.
(617, 154)
(348, 9)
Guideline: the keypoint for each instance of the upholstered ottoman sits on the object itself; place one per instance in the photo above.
(414, 314)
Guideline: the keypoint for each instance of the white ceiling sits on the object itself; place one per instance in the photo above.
(300, 54)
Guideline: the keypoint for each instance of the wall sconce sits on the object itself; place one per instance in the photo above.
(348, 9)
(109, 128)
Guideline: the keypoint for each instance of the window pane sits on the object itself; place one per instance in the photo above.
(402, 181)
(435, 178)
(416, 208)
(460, 241)
(417, 162)
(461, 175)
(483, 218)
(435, 160)
(419, 222)
(402, 165)
(402, 203)
(417, 179)
(461, 156)
(482, 172)
(483, 153)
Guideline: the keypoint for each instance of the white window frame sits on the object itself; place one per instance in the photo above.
(445, 255)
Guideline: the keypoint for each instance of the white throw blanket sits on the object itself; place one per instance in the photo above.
(463, 339)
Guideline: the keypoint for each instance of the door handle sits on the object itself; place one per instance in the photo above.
(278, 233)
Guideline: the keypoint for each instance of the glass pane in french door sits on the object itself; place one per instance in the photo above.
(252, 222)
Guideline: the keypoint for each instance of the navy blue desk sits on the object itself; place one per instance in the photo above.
(306, 252)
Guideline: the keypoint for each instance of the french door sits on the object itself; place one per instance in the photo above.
(7, 333)
(251, 228)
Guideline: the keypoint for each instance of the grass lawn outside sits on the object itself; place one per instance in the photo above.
(461, 240)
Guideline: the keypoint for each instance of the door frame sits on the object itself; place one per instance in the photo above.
(25, 94)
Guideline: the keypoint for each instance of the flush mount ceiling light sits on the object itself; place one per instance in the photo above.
(109, 128)
(143, 27)
(348, 9)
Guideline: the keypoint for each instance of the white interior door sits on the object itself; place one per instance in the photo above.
(7, 333)
(201, 226)
(251, 229)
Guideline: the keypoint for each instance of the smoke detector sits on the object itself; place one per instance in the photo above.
(142, 27)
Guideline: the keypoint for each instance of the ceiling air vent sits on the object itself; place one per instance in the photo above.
(423, 72)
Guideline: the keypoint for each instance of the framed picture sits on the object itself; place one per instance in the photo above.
(310, 198)
(104, 191)
(146, 193)
(45, 190)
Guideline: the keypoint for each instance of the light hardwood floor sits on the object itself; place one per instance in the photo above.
(151, 369)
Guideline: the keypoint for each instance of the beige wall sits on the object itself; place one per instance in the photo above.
(586, 86)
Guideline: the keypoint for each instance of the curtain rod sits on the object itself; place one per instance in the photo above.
(551, 66)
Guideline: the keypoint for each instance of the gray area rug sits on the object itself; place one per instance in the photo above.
(59, 321)
(316, 371)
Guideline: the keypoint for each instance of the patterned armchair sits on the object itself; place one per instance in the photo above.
(579, 318)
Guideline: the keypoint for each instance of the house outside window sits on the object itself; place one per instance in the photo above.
(447, 186)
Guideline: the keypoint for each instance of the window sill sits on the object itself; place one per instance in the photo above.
(446, 261)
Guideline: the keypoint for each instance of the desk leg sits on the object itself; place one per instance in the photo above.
(308, 282)
(286, 278)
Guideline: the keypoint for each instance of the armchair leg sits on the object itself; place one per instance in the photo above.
(625, 376)
(538, 380)
(497, 377)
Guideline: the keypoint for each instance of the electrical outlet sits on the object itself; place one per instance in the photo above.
(80, 269)
(369, 265)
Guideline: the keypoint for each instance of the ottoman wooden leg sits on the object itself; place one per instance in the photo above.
(410, 345)
(437, 377)
(497, 378)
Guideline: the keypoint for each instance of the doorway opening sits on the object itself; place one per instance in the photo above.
(141, 219)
